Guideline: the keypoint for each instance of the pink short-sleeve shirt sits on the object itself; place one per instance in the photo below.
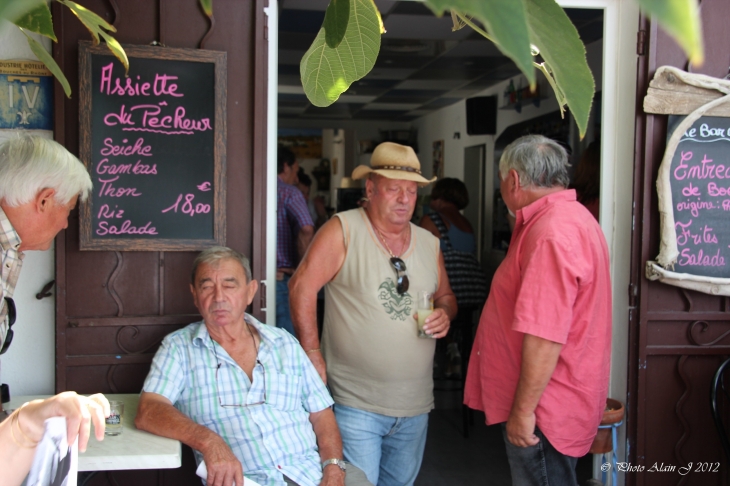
(555, 284)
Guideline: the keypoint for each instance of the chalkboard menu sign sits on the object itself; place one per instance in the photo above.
(154, 143)
(700, 188)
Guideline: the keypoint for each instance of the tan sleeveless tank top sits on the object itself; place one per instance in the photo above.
(375, 359)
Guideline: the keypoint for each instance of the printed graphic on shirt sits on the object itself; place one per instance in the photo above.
(397, 306)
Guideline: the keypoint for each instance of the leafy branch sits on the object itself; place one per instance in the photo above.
(348, 44)
(34, 16)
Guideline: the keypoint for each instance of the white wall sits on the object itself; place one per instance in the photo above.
(29, 364)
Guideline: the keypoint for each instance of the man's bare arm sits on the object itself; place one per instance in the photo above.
(157, 415)
(444, 305)
(329, 443)
(321, 263)
(539, 358)
(304, 238)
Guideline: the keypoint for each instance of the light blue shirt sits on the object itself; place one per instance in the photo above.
(271, 439)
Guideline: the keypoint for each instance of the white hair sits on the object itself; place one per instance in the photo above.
(539, 161)
(29, 164)
(214, 254)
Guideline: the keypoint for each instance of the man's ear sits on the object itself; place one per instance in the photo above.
(253, 287)
(514, 179)
(369, 187)
(43, 199)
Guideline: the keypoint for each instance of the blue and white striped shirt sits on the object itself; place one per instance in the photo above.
(271, 439)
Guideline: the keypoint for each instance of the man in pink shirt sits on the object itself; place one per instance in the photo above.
(541, 356)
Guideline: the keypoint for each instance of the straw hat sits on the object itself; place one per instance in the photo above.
(393, 161)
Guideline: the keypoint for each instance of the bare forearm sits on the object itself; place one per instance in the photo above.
(303, 305)
(447, 302)
(329, 440)
(15, 460)
(167, 421)
(304, 238)
(539, 358)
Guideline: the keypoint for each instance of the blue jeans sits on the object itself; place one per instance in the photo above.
(539, 465)
(388, 449)
(283, 317)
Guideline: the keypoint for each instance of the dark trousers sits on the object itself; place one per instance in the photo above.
(539, 465)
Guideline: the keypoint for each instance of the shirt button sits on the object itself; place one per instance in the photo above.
(278, 466)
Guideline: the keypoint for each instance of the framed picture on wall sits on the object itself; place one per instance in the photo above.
(438, 158)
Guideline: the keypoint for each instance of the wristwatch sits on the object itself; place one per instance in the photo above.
(337, 462)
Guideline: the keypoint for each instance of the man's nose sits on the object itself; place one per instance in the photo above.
(218, 293)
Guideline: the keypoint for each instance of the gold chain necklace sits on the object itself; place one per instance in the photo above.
(382, 238)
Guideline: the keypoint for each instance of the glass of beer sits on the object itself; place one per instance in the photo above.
(115, 419)
(425, 308)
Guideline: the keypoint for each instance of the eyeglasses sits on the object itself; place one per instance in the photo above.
(400, 270)
(10, 304)
(217, 389)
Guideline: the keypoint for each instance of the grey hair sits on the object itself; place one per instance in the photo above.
(214, 254)
(539, 161)
(29, 164)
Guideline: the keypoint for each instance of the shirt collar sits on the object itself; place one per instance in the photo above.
(268, 336)
(9, 238)
(535, 207)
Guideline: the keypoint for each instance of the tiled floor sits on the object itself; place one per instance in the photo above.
(479, 460)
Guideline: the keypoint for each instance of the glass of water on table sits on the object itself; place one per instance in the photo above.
(425, 308)
(115, 419)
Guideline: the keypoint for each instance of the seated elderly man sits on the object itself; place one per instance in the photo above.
(242, 394)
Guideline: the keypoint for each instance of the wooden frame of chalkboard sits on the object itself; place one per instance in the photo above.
(155, 145)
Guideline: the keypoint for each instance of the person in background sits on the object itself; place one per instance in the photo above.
(40, 182)
(542, 351)
(317, 209)
(373, 263)
(587, 178)
(294, 231)
(449, 197)
(23, 429)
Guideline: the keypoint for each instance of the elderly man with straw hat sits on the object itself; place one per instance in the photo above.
(373, 264)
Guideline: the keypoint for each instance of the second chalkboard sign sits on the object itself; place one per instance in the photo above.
(700, 186)
(154, 144)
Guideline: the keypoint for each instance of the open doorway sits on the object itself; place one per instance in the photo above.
(409, 98)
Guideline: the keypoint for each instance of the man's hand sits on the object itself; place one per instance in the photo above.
(223, 467)
(333, 476)
(318, 361)
(521, 430)
(437, 324)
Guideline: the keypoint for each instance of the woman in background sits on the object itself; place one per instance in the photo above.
(448, 197)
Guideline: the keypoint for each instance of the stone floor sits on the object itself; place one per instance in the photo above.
(479, 460)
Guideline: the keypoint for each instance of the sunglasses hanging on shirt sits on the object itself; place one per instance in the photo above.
(11, 315)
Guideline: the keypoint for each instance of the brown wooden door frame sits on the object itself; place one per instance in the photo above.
(671, 361)
(637, 286)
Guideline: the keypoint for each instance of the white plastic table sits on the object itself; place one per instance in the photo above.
(132, 449)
